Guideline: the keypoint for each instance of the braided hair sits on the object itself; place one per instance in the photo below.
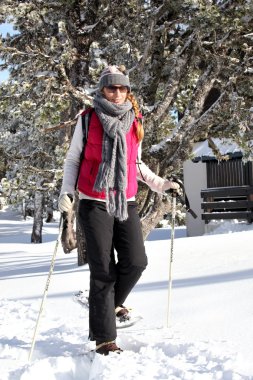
(140, 130)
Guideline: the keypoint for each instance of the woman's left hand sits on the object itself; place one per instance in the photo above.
(171, 185)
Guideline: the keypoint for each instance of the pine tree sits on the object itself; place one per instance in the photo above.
(192, 59)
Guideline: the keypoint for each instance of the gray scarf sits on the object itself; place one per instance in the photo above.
(116, 120)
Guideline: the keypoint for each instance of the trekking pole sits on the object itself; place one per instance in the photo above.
(185, 201)
(46, 288)
(173, 218)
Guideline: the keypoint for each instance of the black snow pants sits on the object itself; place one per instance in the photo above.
(111, 278)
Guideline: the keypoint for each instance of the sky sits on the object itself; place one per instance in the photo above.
(5, 28)
(208, 335)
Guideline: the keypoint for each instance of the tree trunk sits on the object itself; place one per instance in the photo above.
(38, 217)
(49, 215)
(23, 208)
(49, 211)
(156, 213)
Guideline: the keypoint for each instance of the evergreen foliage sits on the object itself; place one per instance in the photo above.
(191, 58)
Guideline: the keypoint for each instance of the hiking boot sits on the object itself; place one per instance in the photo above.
(122, 314)
(107, 347)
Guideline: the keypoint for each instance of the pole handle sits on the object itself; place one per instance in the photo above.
(183, 199)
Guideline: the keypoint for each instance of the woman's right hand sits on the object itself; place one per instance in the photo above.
(65, 203)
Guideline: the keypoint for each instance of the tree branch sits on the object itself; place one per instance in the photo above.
(69, 123)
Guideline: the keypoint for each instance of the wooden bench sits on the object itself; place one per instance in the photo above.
(231, 202)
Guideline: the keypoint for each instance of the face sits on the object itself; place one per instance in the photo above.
(115, 94)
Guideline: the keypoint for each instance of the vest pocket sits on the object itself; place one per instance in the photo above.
(93, 171)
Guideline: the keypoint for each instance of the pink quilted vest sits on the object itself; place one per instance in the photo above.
(93, 157)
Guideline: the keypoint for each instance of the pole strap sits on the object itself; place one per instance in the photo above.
(183, 199)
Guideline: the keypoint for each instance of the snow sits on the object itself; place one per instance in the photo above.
(224, 146)
(209, 335)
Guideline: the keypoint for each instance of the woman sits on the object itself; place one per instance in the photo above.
(107, 185)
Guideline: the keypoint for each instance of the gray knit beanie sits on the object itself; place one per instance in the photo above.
(112, 75)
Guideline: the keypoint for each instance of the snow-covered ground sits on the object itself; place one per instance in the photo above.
(210, 334)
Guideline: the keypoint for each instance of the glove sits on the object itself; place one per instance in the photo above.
(65, 202)
(171, 185)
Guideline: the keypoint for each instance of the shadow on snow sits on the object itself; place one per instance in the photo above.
(197, 281)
